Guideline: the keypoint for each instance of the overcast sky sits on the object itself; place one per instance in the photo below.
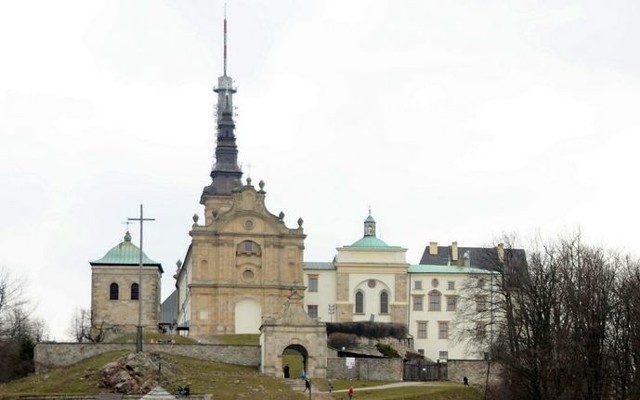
(453, 120)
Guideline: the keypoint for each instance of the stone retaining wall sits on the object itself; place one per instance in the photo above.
(62, 354)
(371, 369)
(474, 370)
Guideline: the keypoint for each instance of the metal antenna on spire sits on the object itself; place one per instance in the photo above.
(225, 38)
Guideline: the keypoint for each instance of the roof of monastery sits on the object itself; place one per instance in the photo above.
(319, 265)
(125, 253)
(481, 257)
(444, 269)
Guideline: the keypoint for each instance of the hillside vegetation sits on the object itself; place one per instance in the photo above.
(223, 381)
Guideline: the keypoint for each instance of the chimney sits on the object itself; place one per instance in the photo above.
(454, 251)
(500, 249)
(433, 248)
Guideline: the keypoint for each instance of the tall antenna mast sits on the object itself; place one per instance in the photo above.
(225, 38)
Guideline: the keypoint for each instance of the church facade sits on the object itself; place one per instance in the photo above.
(244, 263)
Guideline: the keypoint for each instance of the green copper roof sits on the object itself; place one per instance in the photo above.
(370, 241)
(125, 253)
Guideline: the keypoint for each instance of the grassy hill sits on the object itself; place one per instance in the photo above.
(223, 381)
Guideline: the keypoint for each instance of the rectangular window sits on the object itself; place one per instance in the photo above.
(312, 310)
(422, 329)
(417, 285)
(313, 283)
(443, 330)
(451, 303)
(481, 330)
(434, 301)
(421, 352)
(443, 355)
(451, 285)
(481, 303)
(417, 303)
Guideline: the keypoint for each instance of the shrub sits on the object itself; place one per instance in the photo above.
(374, 330)
(387, 350)
(338, 340)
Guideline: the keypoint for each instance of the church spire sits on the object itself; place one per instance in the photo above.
(226, 173)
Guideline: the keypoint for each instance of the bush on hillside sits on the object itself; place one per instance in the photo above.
(338, 340)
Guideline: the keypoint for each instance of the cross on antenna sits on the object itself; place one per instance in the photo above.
(139, 330)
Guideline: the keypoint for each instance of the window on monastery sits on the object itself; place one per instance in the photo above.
(421, 352)
(481, 303)
(443, 355)
(313, 283)
(443, 330)
(434, 300)
(417, 303)
(384, 302)
(248, 247)
(481, 283)
(312, 311)
(135, 292)
(451, 285)
(422, 329)
(452, 302)
(114, 291)
(481, 330)
(417, 285)
(359, 303)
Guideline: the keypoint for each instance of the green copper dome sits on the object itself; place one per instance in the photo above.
(125, 253)
(370, 241)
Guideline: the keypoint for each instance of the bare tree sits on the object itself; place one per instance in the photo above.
(85, 327)
(564, 322)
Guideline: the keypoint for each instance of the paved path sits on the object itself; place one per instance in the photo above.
(389, 386)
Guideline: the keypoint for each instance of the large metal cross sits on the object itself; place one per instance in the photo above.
(139, 327)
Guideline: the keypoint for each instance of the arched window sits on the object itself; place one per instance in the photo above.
(384, 302)
(114, 291)
(135, 292)
(248, 247)
(359, 302)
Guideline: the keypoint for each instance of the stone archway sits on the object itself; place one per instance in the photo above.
(294, 329)
(296, 357)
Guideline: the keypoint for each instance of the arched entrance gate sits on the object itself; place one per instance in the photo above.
(294, 331)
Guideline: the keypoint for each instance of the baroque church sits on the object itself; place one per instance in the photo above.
(243, 264)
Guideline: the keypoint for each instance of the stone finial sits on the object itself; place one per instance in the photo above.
(281, 216)
(300, 222)
(179, 264)
(195, 218)
(261, 184)
(249, 180)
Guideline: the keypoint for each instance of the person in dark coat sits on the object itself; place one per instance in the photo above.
(465, 381)
(286, 371)
(307, 385)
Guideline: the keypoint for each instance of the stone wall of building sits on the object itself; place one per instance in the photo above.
(62, 354)
(372, 369)
(474, 370)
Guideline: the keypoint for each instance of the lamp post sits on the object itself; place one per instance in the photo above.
(139, 326)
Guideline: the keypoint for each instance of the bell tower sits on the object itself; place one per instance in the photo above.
(225, 173)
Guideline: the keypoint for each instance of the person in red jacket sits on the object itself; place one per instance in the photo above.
(350, 392)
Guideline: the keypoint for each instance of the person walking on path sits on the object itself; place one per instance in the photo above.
(286, 371)
(350, 392)
(307, 385)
